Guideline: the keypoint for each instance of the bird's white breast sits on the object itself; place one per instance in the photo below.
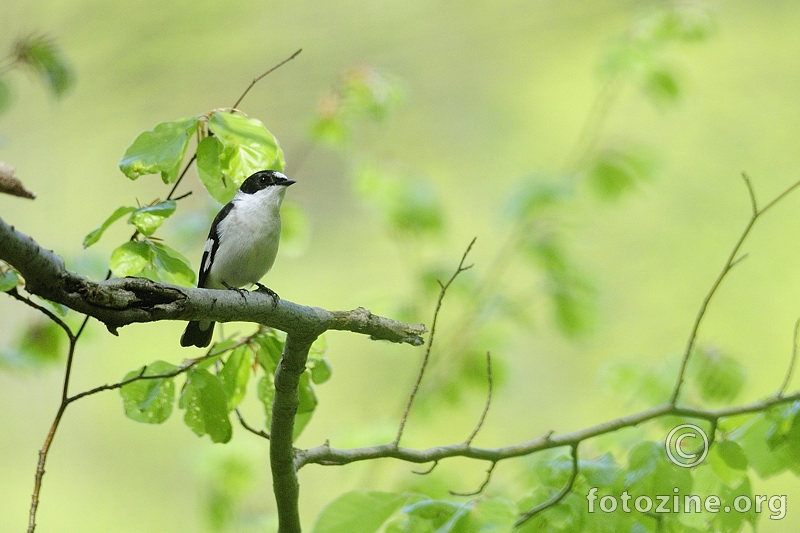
(248, 239)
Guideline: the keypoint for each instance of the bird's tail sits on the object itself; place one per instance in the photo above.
(197, 334)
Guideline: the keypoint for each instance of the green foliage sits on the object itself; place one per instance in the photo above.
(94, 235)
(41, 55)
(244, 146)
(235, 374)
(8, 278)
(270, 344)
(365, 511)
(719, 377)
(406, 203)
(149, 400)
(642, 54)
(713, 377)
(160, 150)
(205, 401)
(362, 92)
(146, 219)
(228, 475)
(152, 260)
(217, 384)
(232, 146)
(41, 343)
(358, 512)
(617, 171)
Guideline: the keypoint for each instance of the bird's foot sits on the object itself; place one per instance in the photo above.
(272, 294)
(241, 292)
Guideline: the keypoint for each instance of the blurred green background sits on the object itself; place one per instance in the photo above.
(492, 93)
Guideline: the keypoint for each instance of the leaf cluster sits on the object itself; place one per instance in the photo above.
(216, 384)
(42, 56)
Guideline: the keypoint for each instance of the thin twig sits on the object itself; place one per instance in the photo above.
(234, 106)
(788, 377)
(477, 491)
(263, 75)
(751, 192)
(52, 316)
(444, 286)
(729, 264)
(482, 418)
(428, 471)
(524, 517)
(51, 433)
(260, 432)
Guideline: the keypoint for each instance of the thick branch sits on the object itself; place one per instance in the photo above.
(281, 453)
(119, 302)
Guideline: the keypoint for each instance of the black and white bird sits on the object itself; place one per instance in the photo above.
(242, 243)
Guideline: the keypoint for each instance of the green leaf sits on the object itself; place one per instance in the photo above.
(599, 472)
(662, 86)
(732, 454)
(728, 462)
(573, 300)
(406, 203)
(308, 403)
(209, 168)
(149, 218)
(361, 511)
(320, 371)
(265, 392)
(318, 348)
(95, 234)
(235, 374)
(41, 342)
(247, 147)
(720, 378)
(495, 515)
(366, 91)
(765, 454)
(535, 197)
(149, 400)
(270, 349)
(43, 56)
(8, 280)
(616, 171)
(329, 130)
(171, 266)
(649, 471)
(130, 259)
(160, 150)
(443, 515)
(206, 406)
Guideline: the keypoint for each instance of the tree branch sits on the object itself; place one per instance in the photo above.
(281, 452)
(325, 455)
(122, 301)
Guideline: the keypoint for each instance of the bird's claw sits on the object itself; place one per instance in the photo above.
(272, 294)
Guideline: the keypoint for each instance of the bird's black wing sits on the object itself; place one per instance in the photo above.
(212, 245)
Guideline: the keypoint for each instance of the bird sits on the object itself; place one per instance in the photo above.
(242, 244)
